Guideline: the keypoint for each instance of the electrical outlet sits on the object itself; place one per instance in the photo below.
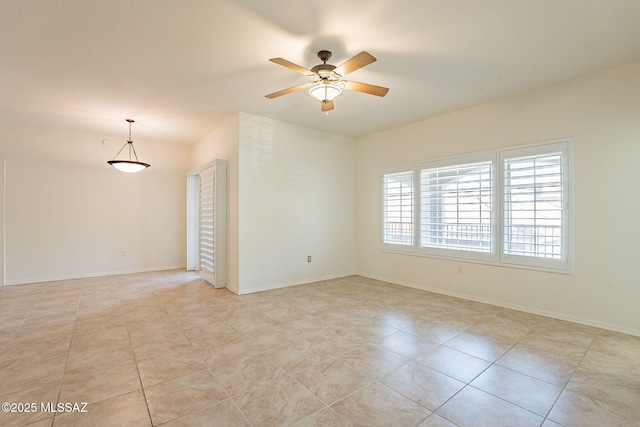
(309, 258)
(124, 253)
(459, 269)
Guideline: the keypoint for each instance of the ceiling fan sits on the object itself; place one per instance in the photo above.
(327, 80)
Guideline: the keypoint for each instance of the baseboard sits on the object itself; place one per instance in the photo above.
(296, 283)
(553, 315)
(87, 276)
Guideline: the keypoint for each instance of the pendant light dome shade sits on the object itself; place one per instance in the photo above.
(130, 165)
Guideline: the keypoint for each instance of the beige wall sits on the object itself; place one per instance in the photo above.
(602, 114)
(69, 214)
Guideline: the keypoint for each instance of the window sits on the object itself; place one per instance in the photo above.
(508, 207)
(535, 212)
(456, 203)
(397, 210)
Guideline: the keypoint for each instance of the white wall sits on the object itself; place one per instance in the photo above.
(222, 143)
(291, 194)
(297, 198)
(602, 113)
(69, 214)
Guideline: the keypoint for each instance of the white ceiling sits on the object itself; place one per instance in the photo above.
(180, 68)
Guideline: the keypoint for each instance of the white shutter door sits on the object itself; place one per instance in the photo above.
(206, 229)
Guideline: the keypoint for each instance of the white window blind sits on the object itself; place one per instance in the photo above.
(398, 209)
(456, 207)
(207, 224)
(534, 206)
(504, 207)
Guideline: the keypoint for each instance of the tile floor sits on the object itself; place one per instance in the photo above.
(167, 349)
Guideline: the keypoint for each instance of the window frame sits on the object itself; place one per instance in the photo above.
(497, 255)
(565, 263)
(394, 247)
(458, 253)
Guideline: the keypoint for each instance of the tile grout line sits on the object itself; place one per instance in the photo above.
(75, 318)
(135, 359)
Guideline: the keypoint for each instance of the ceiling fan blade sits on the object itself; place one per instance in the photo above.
(285, 91)
(290, 65)
(366, 88)
(355, 63)
(326, 106)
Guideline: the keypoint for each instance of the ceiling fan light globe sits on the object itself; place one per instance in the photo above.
(325, 92)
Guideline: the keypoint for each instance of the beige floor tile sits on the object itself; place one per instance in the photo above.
(215, 333)
(621, 345)
(483, 347)
(307, 328)
(423, 385)
(611, 365)
(284, 313)
(535, 365)
(575, 410)
(398, 319)
(436, 332)
(332, 380)
(378, 405)
(157, 344)
(221, 414)
(127, 410)
(566, 352)
(338, 341)
(320, 333)
(620, 392)
(272, 338)
(298, 355)
(23, 368)
(100, 385)
(83, 361)
(454, 363)
(168, 366)
(65, 307)
(285, 402)
(578, 335)
(257, 322)
(371, 329)
(407, 344)
(474, 408)
(9, 325)
(34, 397)
(436, 421)
(98, 325)
(529, 393)
(502, 329)
(215, 353)
(46, 351)
(249, 372)
(374, 360)
(4, 341)
(324, 418)
(181, 396)
(187, 318)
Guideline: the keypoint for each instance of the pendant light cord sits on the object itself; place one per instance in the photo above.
(130, 143)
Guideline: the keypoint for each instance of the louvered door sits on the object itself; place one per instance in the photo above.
(212, 213)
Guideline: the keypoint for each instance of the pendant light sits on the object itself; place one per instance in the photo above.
(129, 166)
